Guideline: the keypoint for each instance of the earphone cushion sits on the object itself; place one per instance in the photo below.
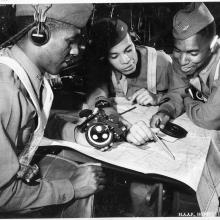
(40, 38)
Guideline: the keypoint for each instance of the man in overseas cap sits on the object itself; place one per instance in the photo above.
(195, 58)
(195, 84)
(118, 68)
(46, 39)
(190, 20)
(128, 68)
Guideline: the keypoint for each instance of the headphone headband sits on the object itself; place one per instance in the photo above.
(40, 14)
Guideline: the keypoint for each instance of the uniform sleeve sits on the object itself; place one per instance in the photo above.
(206, 115)
(14, 193)
(176, 91)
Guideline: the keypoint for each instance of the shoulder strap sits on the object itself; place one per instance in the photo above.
(216, 76)
(20, 72)
(151, 70)
(27, 154)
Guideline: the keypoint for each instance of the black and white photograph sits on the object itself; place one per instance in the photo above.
(109, 109)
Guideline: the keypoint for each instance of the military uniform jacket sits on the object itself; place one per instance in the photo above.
(206, 115)
(18, 121)
(116, 84)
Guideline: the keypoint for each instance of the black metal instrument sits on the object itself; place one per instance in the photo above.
(102, 130)
(174, 130)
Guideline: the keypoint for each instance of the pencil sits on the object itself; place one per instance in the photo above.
(128, 110)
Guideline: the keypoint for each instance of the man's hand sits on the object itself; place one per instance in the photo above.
(159, 120)
(55, 81)
(81, 138)
(139, 133)
(87, 180)
(144, 97)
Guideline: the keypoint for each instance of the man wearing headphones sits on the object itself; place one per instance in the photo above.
(48, 37)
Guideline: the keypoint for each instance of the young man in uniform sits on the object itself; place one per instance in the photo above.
(118, 68)
(196, 60)
(49, 37)
(195, 68)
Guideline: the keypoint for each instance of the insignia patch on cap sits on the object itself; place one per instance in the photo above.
(191, 20)
(182, 26)
(185, 28)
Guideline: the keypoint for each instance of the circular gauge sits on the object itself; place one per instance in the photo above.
(99, 135)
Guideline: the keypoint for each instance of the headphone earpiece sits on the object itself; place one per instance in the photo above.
(39, 34)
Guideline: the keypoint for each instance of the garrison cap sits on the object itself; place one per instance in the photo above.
(73, 14)
(106, 33)
(190, 20)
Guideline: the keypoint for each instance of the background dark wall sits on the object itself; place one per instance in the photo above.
(149, 23)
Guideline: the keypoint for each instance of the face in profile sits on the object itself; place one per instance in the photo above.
(62, 44)
(191, 53)
(123, 56)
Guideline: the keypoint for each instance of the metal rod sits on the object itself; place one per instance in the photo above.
(128, 110)
(156, 138)
(162, 144)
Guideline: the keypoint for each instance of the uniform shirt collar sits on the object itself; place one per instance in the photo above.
(36, 77)
(204, 74)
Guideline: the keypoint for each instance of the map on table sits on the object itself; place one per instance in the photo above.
(190, 152)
